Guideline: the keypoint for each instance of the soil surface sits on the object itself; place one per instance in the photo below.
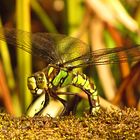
(115, 125)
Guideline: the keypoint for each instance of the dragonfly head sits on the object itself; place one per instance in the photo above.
(37, 83)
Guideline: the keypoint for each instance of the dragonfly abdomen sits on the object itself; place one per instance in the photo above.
(63, 78)
(82, 81)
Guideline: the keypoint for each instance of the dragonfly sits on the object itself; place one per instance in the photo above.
(64, 54)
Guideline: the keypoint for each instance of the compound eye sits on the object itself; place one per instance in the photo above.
(31, 82)
(41, 80)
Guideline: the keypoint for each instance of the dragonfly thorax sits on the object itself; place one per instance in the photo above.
(37, 83)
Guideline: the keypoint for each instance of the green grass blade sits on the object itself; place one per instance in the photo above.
(24, 59)
(9, 76)
(74, 14)
(46, 21)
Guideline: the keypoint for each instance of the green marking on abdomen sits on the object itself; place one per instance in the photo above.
(81, 81)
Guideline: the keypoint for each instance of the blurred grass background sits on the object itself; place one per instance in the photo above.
(101, 24)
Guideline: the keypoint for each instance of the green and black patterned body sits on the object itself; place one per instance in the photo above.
(63, 55)
(53, 78)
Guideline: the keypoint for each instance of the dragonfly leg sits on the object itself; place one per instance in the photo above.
(55, 96)
(82, 81)
(72, 106)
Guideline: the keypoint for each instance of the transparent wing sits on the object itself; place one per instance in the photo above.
(41, 46)
(106, 56)
(67, 51)
(53, 48)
